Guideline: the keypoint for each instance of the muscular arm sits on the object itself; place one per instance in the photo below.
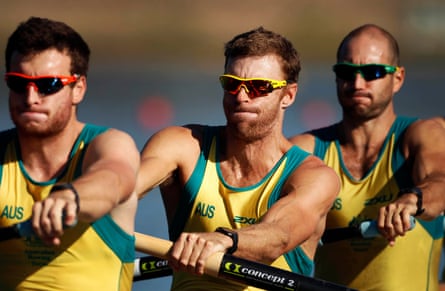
(427, 141)
(108, 175)
(165, 152)
(296, 217)
(423, 147)
(108, 178)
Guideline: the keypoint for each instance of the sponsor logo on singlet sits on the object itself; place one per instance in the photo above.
(380, 199)
(244, 220)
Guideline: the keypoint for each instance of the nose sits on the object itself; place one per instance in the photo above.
(243, 86)
(242, 94)
(359, 81)
(32, 85)
(32, 93)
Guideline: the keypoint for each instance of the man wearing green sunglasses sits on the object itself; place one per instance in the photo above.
(241, 188)
(391, 168)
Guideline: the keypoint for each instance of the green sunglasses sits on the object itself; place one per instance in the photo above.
(369, 72)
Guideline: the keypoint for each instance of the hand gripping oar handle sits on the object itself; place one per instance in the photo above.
(240, 270)
(366, 229)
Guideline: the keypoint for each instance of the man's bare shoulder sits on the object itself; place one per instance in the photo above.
(440, 120)
(177, 132)
(305, 141)
(314, 167)
(314, 177)
(424, 130)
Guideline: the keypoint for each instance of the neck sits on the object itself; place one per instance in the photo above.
(246, 163)
(361, 133)
(45, 157)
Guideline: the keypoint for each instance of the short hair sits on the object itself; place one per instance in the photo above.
(366, 28)
(260, 42)
(39, 34)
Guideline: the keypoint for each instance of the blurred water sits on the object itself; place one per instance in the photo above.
(117, 93)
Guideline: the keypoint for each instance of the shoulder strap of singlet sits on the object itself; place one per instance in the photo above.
(293, 158)
(323, 138)
(399, 166)
(88, 133)
(192, 186)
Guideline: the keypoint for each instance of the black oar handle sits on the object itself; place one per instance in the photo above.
(21, 229)
(366, 229)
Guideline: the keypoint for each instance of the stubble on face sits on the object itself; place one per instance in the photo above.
(363, 100)
(251, 119)
(37, 115)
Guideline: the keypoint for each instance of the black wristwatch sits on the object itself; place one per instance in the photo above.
(419, 194)
(233, 235)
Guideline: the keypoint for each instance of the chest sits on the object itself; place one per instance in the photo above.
(359, 162)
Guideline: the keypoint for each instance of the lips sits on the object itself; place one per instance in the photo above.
(33, 115)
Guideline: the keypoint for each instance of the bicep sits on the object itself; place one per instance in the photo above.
(425, 142)
(109, 168)
(114, 150)
(164, 153)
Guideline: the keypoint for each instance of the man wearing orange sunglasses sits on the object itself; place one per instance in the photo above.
(391, 168)
(72, 181)
(241, 188)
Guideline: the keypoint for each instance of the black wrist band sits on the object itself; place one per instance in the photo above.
(70, 187)
(419, 194)
(233, 235)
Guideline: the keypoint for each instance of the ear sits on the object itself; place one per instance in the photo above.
(289, 95)
(79, 90)
(399, 78)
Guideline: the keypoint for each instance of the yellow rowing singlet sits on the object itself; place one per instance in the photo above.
(207, 202)
(99, 256)
(371, 264)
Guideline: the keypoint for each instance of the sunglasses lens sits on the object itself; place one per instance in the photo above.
(345, 72)
(260, 87)
(255, 88)
(373, 72)
(48, 86)
(230, 85)
(45, 86)
(17, 84)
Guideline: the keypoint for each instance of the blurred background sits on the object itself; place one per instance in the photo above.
(156, 63)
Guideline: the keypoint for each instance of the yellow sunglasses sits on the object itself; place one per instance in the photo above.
(255, 87)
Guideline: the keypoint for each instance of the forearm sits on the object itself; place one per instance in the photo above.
(433, 195)
(266, 241)
(152, 173)
(262, 243)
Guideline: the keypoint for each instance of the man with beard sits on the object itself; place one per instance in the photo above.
(242, 188)
(74, 181)
(391, 168)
